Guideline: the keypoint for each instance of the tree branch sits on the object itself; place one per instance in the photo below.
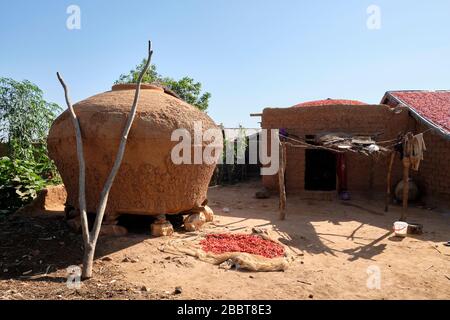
(81, 164)
(107, 187)
(90, 238)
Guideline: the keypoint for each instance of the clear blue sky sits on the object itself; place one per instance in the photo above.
(248, 54)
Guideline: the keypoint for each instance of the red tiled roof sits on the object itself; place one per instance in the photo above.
(432, 105)
(328, 102)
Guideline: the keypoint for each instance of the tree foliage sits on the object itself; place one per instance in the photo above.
(20, 180)
(186, 88)
(25, 118)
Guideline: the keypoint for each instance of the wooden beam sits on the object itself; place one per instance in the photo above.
(281, 180)
(388, 182)
(406, 166)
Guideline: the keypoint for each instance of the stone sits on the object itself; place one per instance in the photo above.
(194, 221)
(48, 200)
(227, 264)
(209, 213)
(178, 290)
(74, 224)
(262, 194)
(113, 230)
(161, 229)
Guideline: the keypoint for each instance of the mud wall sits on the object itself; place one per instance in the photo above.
(433, 176)
(365, 174)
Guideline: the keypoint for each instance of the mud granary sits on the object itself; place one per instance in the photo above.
(148, 182)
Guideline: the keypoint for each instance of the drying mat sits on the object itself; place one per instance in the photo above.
(240, 260)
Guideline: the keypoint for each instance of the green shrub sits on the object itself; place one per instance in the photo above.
(19, 183)
(25, 118)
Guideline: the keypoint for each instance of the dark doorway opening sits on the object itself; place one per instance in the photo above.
(320, 170)
(140, 224)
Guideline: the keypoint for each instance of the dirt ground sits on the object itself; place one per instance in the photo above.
(337, 245)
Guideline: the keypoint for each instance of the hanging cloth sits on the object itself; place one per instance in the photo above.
(417, 149)
(341, 170)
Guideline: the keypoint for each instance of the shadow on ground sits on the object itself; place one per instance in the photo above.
(32, 246)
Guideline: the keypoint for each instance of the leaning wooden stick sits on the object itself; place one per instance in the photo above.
(81, 164)
(90, 238)
(107, 187)
(388, 182)
(281, 180)
(406, 166)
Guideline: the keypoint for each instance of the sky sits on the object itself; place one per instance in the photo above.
(249, 54)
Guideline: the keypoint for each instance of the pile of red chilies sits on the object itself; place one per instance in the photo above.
(221, 243)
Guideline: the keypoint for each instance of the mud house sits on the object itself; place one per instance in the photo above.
(430, 113)
(321, 173)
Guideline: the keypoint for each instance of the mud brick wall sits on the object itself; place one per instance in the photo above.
(433, 177)
(365, 174)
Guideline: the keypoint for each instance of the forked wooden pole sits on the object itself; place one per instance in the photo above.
(81, 164)
(90, 238)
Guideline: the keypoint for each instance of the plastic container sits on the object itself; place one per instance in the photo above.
(400, 228)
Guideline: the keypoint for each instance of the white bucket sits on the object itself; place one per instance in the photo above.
(400, 228)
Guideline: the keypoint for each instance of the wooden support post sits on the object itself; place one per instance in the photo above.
(406, 166)
(281, 180)
(388, 182)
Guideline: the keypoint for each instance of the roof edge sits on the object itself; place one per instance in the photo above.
(417, 115)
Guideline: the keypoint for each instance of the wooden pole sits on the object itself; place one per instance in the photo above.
(281, 180)
(406, 166)
(388, 182)
(90, 238)
(81, 164)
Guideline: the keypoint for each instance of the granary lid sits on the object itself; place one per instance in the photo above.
(132, 86)
(145, 86)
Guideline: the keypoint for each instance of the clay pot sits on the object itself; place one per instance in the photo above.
(413, 190)
(148, 182)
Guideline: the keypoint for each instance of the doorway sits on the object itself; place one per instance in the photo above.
(320, 170)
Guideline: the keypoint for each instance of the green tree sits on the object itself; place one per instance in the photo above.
(150, 76)
(19, 183)
(186, 88)
(25, 117)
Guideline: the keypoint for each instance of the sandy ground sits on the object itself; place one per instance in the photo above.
(336, 244)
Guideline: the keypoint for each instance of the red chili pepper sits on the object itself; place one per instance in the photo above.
(221, 243)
